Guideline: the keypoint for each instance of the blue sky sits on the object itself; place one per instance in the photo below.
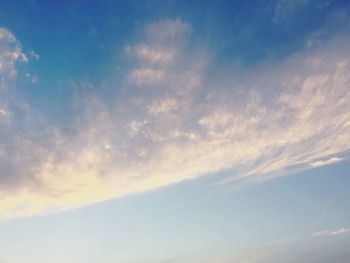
(174, 131)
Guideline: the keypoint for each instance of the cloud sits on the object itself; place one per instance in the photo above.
(329, 161)
(163, 106)
(144, 76)
(178, 120)
(331, 232)
(151, 54)
(167, 30)
(318, 250)
(10, 53)
(157, 53)
(22, 147)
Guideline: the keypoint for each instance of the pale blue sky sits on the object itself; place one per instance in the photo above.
(193, 222)
(174, 131)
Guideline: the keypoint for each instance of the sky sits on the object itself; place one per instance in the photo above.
(174, 131)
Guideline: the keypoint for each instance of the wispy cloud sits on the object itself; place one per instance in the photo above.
(331, 232)
(328, 161)
(10, 53)
(167, 30)
(144, 76)
(152, 54)
(321, 247)
(177, 121)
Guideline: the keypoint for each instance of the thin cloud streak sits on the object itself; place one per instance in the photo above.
(329, 161)
(331, 232)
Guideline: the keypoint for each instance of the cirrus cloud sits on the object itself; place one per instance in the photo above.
(188, 122)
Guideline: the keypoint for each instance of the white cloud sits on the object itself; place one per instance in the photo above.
(167, 29)
(3, 112)
(157, 52)
(146, 76)
(10, 53)
(163, 106)
(153, 54)
(331, 232)
(258, 122)
(328, 161)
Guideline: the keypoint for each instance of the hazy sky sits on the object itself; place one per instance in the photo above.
(174, 131)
